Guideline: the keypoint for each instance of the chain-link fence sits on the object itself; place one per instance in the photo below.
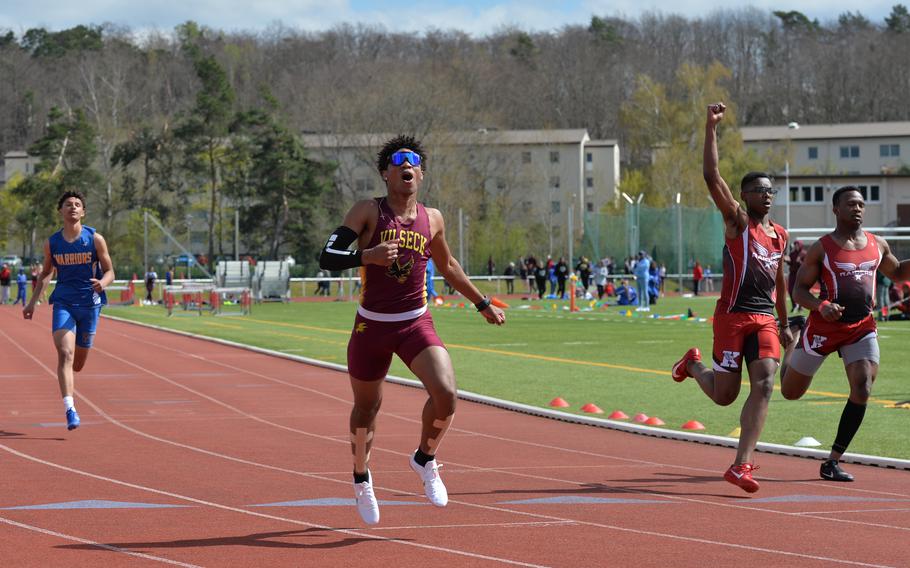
(667, 234)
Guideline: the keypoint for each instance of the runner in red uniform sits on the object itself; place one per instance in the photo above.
(396, 236)
(844, 263)
(753, 286)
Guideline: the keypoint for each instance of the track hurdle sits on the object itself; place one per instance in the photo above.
(241, 305)
(189, 300)
(127, 294)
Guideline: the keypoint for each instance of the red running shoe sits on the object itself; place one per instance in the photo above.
(741, 476)
(680, 371)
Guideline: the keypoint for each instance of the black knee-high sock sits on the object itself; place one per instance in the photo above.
(850, 420)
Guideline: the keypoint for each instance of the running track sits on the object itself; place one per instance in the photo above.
(183, 441)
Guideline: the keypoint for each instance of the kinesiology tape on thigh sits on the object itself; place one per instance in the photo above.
(443, 426)
(360, 438)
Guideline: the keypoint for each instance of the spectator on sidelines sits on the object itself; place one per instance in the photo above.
(5, 276)
(323, 285)
(491, 266)
(431, 289)
(540, 277)
(150, 277)
(653, 283)
(642, 275)
(626, 294)
(883, 286)
(709, 282)
(169, 276)
(551, 276)
(523, 273)
(562, 274)
(583, 268)
(530, 266)
(697, 275)
(662, 274)
(21, 284)
(509, 273)
(600, 278)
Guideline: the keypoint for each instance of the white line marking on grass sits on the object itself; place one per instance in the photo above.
(96, 544)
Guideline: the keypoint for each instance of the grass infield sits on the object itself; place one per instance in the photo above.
(618, 362)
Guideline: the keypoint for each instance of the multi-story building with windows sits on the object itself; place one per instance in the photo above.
(873, 156)
(544, 176)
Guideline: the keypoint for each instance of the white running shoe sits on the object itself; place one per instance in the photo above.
(432, 483)
(366, 501)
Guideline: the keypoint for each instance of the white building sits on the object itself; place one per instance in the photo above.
(873, 156)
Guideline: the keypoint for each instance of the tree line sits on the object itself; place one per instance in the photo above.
(203, 122)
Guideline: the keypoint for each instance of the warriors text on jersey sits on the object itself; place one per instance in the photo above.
(76, 263)
(751, 260)
(401, 287)
(848, 277)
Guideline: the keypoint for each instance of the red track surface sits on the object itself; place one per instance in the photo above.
(175, 421)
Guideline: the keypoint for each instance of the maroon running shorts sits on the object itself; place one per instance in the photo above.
(373, 343)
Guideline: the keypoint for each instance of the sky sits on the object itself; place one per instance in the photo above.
(475, 17)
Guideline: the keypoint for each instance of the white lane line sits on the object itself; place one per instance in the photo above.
(476, 525)
(262, 515)
(96, 544)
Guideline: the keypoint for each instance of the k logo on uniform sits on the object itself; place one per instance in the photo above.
(361, 327)
(818, 341)
(730, 359)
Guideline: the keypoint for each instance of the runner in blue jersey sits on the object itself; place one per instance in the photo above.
(84, 270)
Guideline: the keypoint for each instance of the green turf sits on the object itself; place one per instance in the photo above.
(595, 356)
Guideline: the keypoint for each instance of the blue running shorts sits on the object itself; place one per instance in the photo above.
(81, 321)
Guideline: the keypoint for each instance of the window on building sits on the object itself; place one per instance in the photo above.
(873, 193)
(813, 152)
(589, 157)
(807, 193)
(554, 182)
(889, 150)
(589, 207)
(362, 186)
(525, 157)
(849, 151)
(554, 157)
(589, 183)
(794, 194)
(819, 194)
(555, 206)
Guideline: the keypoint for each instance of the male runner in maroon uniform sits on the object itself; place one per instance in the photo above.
(396, 236)
(844, 263)
(753, 286)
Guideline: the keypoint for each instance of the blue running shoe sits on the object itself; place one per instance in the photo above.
(72, 419)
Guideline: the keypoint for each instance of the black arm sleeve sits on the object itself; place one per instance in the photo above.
(335, 255)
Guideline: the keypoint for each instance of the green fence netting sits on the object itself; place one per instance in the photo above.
(658, 232)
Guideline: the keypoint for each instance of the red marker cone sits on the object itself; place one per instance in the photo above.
(654, 421)
(693, 425)
(559, 402)
(618, 415)
(499, 303)
(592, 408)
(640, 417)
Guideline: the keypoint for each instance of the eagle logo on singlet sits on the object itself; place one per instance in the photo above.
(857, 272)
(767, 258)
(400, 271)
